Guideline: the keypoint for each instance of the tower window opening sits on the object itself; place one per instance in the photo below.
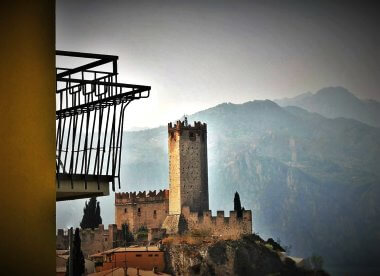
(125, 210)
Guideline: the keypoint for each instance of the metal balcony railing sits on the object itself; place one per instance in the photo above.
(90, 109)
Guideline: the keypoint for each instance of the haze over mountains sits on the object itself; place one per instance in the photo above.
(335, 102)
(309, 180)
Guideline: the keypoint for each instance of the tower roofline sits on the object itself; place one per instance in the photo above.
(180, 125)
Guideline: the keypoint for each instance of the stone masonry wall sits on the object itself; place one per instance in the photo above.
(92, 241)
(141, 209)
(224, 227)
(174, 173)
(62, 240)
(99, 239)
(204, 176)
(188, 167)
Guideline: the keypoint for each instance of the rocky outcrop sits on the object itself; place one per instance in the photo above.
(249, 255)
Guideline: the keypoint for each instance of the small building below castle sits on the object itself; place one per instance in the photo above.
(144, 257)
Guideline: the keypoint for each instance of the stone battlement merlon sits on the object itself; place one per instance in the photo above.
(246, 215)
(180, 125)
(92, 240)
(219, 225)
(100, 230)
(134, 197)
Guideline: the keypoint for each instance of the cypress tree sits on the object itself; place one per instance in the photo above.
(78, 258)
(127, 235)
(98, 218)
(91, 214)
(237, 205)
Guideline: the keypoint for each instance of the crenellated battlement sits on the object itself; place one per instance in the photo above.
(179, 126)
(231, 227)
(100, 230)
(93, 240)
(141, 197)
(207, 215)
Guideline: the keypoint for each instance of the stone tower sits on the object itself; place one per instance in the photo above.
(188, 167)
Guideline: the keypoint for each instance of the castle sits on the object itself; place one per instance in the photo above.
(185, 206)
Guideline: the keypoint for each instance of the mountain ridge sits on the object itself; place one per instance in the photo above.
(310, 181)
(282, 159)
(335, 102)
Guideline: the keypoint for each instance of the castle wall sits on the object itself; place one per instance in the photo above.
(204, 204)
(174, 173)
(188, 167)
(62, 240)
(224, 227)
(141, 209)
(92, 241)
(97, 240)
(191, 171)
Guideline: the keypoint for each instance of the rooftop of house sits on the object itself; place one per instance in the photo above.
(65, 257)
(131, 271)
(128, 249)
(62, 252)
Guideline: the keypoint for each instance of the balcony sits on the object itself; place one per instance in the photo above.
(90, 109)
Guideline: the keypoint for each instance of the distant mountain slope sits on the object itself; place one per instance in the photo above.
(313, 182)
(335, 102)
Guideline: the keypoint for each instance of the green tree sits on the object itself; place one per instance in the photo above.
(98, 218)
(237, 205)
(91, 214)
(127, 235)
(142, 233)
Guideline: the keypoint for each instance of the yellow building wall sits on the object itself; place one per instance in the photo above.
(145, 260)
(27, 137)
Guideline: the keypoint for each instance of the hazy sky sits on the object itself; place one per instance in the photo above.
(197, 54)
